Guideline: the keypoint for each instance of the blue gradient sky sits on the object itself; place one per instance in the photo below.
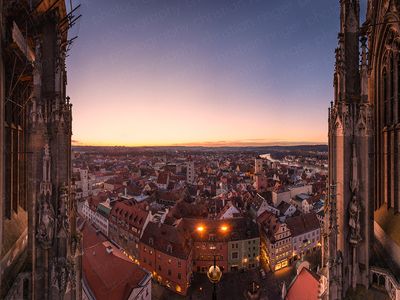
(147, 72)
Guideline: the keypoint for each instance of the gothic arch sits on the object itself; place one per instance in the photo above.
(382, 281)
(384, 66)
(375, 279)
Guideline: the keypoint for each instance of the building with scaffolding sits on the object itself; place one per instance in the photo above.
(40, 245)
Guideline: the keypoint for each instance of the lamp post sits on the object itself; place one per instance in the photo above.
(214, 274)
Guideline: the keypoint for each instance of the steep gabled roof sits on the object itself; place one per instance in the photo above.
(167, 239)
(304, 286)
(109, 273)
(133, 214)
(303, 223)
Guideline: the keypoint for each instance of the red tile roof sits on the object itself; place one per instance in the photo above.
(90, 236)
(304, 286)
(161, 236)
(303, 223)
(132, 214)
(110, 274)
(163, 178)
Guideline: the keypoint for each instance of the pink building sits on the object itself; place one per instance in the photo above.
(165, 251)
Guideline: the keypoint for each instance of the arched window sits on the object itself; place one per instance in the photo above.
(384, 95)
(398, 88)
(391, 100)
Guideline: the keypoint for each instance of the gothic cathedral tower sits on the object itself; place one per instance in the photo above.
(53, 243)
(348, 232)
(37, 194)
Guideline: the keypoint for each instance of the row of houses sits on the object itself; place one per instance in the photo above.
(171, 250)
(174, 252)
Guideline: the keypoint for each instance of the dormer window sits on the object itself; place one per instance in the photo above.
(151, 241)
(169, 248)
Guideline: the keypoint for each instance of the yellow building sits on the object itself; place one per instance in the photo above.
(276, 241)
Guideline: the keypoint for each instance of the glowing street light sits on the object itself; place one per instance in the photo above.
(224, 228)
(200, 228)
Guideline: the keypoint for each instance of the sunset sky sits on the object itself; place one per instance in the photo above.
(191, 72)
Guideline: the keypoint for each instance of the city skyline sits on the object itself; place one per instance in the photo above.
(245, 73)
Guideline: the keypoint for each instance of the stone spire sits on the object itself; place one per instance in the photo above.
(346, 233)
(364, 70)
(349, 36)
(45, 185)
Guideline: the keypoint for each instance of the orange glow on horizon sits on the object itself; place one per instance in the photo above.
(186, 112)
(233, 143)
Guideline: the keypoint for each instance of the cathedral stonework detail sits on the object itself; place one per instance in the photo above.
(34, 45)
(363, 145)
(46, 224)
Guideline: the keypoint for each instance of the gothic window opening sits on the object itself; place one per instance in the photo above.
(14, 166)
(7, 175)
(16, 94)
(384, 94)
(398, 88)
(391, 100)
(22, 168)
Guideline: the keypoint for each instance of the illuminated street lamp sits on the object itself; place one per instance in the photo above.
(200, 228)
(214, 274)
(224, 228)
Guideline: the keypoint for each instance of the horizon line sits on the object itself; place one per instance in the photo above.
(200, 145)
